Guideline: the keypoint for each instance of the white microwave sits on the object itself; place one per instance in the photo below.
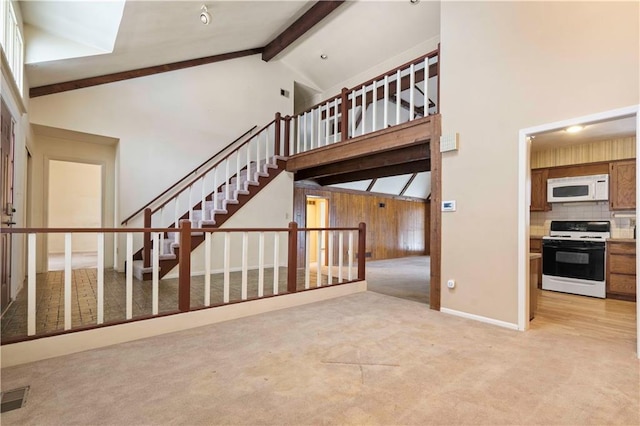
(578, 188)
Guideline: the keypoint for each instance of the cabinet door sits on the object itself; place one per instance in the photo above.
(539, 190)
(622, 185)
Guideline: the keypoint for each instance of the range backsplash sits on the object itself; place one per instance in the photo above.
(621, 227)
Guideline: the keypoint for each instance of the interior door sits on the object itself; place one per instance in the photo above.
(6, 201)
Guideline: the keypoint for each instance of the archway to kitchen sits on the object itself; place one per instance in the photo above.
(621, 221)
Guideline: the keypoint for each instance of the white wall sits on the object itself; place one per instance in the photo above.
(170, 123)
(75, 201)
(507, 66)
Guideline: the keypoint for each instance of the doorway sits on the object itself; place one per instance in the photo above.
(74, 201)
(7, 123)
(524, 216)
(317, 217)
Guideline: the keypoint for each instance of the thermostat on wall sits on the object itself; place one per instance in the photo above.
(449, 206)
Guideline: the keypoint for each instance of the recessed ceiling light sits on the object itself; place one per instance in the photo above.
(323, 56)
(574, 129)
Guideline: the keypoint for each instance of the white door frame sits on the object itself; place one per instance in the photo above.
(524, 199)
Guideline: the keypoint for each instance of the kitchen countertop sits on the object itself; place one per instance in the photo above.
(535, 256)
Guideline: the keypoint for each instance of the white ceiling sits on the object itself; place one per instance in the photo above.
(592, 132)
(355, 36)
(420, 186)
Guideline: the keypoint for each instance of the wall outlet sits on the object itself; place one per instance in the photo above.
(451, 283)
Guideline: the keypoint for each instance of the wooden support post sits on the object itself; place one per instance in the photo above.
(146, 254)
(287, 134)
(362, 248)
(292, 263)
(344, 112)
(276, 149)
(184, 267)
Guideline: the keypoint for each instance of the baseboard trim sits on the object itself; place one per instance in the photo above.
(480, 318)
(65, 344)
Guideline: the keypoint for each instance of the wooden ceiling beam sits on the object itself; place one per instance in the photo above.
(141, 72)
(317, 13)
(380, 172)
(401, 156)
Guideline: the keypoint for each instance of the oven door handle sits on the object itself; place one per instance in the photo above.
(572, 248)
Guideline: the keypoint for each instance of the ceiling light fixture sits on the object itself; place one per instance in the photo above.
(414, 1)
(205, 16)
(323, 56)
(574, 129)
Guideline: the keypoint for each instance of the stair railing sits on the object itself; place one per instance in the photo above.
(213, 188)
(403, 94)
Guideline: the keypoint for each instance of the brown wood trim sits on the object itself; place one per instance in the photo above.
(362, 250)
(50, 89)
(184, 273)
(373, 182)
(408, 184)
(406, 134)
(439, 78)
(355, 192)
(435, 227)
(146, 254)
(379, 172)
(317, 13)
(245, 134)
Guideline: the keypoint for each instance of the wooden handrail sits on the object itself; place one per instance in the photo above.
(168, 229)
(431, 54)
(216, 164)
(187, 175)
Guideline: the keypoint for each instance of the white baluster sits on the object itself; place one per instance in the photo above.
(319, 259)
(207, 269)
(304, 132)
(100, 278)
(353, 113)
(67, 281)
(190, 204)
(312, 130)
(374, 107)
(215, 189)
(129, 276)
(162, 225)
(261, 265)
(245, 255)
(330, 259)
(385, 120)
(226, 180)
(298, 133)
(155, 273)
(364, 109)
(203, 196)
(350, 255)
(426, 86)
(319, 137)
(176, 212)
(340, 255)
(307, 260)
(398, 99)
(227, 261)
(276, 262)
(249, 177)
(412, 89)
(31, 286)
(238, 169)
(335, 121)
(267, 144)
(258, 153)
(327, 125)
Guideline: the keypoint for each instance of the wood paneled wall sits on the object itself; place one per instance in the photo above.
(395, 230)
(614, 149)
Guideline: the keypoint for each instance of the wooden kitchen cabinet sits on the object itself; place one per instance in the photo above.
(622, 185)
(539, 190)
(535, 246)
(621, 270)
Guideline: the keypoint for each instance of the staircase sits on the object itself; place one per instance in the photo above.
(219, 206)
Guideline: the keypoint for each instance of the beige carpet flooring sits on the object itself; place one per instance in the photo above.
(407, 277)
(361, 359)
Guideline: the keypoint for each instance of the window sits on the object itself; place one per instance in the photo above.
(11, 40)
